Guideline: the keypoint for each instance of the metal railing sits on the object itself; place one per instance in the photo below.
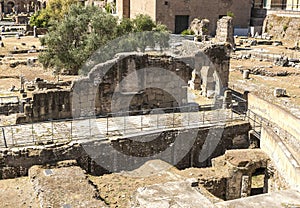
(257, 122)
(119, 124)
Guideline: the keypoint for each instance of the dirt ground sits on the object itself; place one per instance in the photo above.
(20, 190)
(264, 86)
(10, 76)
(24, 43)
(117, 189)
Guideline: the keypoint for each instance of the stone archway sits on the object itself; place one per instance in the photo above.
(10, 7)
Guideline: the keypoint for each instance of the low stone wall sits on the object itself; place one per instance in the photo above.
(49, 105)
(284, 160)
(92, 156)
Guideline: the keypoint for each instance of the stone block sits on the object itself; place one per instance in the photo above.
(279, 92)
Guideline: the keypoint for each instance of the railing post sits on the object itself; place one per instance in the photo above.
(203, 117)
(124, 124)
(90, 127)
(12, 136)
(157, 118)
(52, 129)
(142, 122)
(71, 131)
(107, 125)
(173, 117)
(32, 132)
(3, 132)
(254, 121)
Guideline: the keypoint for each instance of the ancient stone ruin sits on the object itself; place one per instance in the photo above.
(151, 82)
(225, 30)
(200, 29)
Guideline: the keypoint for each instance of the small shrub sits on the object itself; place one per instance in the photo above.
(187, 32)
(230, 14)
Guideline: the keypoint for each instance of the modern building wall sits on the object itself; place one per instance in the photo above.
(211, 10)
(143, 7)
(167, 11)
(123, 8)
(293, 5)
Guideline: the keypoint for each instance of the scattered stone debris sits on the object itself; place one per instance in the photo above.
(258, 70)
(282, 61)
(279, 92)
(266, 36)
(246, 74)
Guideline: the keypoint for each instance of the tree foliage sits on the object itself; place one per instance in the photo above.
(55, 11)
(83, 30)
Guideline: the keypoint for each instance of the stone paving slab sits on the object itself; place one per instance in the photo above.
(280, 199)
(171, 194)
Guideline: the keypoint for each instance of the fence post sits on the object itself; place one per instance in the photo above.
(254, 121)
(5, 143)
(124, 124)
(173, 117)
(12, 136)
(142, 122)
(157, 118)
(188, 117)
(71, 130)
(107, 125)
(90, 127)
(203, 116)
(32, 132)
(52, 129)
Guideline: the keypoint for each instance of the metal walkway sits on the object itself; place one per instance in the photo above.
(63, 131)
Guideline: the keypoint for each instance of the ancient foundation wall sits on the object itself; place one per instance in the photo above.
(49, 105)
(284, 160)
(171, 146)
(275, 114)
(282, 27)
